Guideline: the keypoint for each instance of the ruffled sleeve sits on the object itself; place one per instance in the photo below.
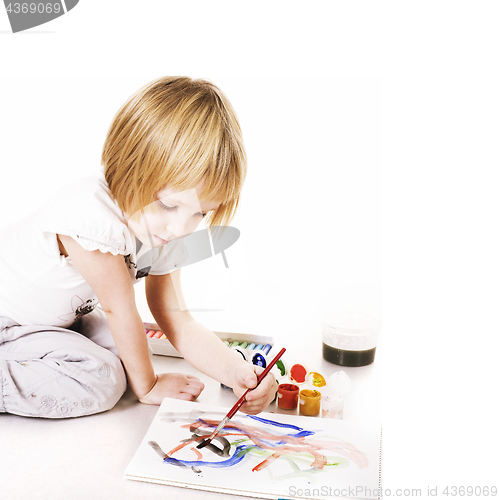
(85, 211)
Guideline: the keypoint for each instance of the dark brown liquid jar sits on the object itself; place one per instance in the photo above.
(349, 338)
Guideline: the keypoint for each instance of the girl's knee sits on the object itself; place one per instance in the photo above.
(53, 388)
(107, 385)
(86, 393)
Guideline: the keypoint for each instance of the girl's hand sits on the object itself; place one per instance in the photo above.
(173, 385)
(259, 398)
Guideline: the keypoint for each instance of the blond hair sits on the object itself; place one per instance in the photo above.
(176, 132)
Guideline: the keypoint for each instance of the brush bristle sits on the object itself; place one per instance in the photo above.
(203, 443)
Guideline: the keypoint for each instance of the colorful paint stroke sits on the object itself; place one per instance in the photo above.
(266, 442)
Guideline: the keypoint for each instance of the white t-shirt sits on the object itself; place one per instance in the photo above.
(38, 285)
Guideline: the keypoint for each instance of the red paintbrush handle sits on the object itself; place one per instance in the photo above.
(238, 405)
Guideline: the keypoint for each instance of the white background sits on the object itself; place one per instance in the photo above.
(326, 92)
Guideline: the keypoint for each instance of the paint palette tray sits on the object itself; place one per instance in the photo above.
(163, 347)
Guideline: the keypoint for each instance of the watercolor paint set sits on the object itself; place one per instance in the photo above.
(254, 348)
(309, 392)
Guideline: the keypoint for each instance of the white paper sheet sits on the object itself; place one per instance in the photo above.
(266, 456)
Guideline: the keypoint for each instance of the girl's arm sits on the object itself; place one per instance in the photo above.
(201, 347)
(109, 278)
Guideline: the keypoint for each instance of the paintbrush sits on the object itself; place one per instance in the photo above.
(240, 401)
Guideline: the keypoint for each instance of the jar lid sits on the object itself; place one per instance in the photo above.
(339, 383)
(350, 330)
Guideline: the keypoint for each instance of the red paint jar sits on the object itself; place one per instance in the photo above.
(287, 396)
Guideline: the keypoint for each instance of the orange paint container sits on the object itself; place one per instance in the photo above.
(287, 396)
(310, 402)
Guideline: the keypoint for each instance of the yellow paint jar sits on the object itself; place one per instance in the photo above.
(310, 402)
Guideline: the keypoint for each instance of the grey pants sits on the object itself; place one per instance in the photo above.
(53, 372)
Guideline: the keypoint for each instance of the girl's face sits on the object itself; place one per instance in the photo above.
(173, 214)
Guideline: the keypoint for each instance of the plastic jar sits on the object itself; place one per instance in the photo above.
(349, 338)
(310, 402)
(287, 396)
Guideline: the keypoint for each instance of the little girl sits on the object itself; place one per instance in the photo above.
(173, 155)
